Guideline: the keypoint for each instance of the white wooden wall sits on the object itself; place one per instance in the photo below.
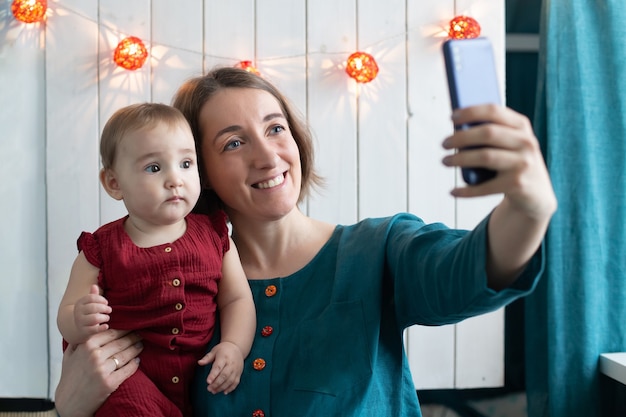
(378, 144)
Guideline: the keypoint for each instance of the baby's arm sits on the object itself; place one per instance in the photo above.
(238, 324)
(83, 311)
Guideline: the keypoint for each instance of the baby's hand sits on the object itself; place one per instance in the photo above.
(227, 367)
(91, 313)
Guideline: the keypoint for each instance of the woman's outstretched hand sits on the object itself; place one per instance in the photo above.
(505, 142)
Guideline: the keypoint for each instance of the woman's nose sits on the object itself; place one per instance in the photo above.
(265, 155)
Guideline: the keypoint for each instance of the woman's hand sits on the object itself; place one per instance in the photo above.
(507, 144)
(91, 371)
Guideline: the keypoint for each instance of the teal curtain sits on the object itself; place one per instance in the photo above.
(579, 309)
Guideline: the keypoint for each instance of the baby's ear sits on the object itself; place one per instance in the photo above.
(110, 183)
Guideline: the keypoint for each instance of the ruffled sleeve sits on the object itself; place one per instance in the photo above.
(91, 249)
(218, 221)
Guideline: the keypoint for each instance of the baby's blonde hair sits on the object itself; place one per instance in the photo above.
(141, 116)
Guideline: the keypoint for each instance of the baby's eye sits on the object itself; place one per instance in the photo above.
(186, 164)
(152, 168)
(233, 144)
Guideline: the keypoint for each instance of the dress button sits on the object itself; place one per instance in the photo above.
(258, 413)
(270, 290)
(178, 306)
(258, 364)
(168, 249)
(175, 380)
(176, 282)
(266, 331)
(175, 331)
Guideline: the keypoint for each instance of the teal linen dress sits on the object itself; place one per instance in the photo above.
(330, 336)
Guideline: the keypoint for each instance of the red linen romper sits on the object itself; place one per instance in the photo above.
(167, 294)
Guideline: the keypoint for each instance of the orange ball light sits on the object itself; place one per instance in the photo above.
(247, 65)
(463, 27)
(362, 67)
(130, 53)
(29, 11)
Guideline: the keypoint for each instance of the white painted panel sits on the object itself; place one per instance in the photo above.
(480, 340)
(72, 155)
(120, 87)
(480, 351)
(431, 356)
(430, 349)
(230, 31)
(22, 212)
(382, 110)
(176, 45)
(281, 47)
(430, 181)
(332, 109)
(402, 118)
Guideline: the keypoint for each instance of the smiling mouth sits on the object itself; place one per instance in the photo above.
(277, 180)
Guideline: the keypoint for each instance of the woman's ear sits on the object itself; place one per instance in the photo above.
(110, 183)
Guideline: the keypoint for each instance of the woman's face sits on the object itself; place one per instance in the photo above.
(250, 158)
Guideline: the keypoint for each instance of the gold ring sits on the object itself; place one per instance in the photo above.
(117, 362)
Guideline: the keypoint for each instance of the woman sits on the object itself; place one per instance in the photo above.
(332, 301)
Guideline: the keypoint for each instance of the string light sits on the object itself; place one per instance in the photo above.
(463, 27)
(130, 53)
(362, 67)
(247, 65)
(29, 11)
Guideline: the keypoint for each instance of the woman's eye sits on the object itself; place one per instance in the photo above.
(277, 129)
(152, 168)
(233, 144)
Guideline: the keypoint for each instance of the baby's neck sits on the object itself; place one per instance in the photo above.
(146, 235)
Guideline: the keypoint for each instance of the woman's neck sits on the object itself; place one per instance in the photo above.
(277, 248)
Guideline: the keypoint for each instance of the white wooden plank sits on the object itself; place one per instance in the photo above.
(120, 87)
(382, 111)
(480, 351)
(480, 340)
(332, 109)
(176, 45)
(230, 30)
(72, 146)
(430, 181)
(23, 213)
(430, 349)
(430, 352)
(411, 149)
(281, 48)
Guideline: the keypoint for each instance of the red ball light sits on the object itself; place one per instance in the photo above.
(362, 67)
(130, 53)
(247, 65)
(29, 11)
(463, 27)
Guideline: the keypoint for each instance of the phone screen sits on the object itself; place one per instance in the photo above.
(472, 80)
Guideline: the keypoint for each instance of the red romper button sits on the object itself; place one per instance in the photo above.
(258, 413)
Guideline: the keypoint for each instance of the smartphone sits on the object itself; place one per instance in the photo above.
(472, 80)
